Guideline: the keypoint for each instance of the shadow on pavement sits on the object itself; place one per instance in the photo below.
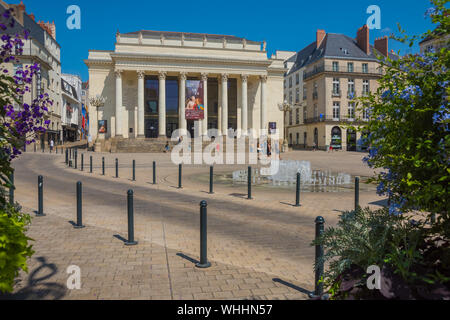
(381, 203)
(182, 255)
(292, 286)
(36, 288)
(120, 238)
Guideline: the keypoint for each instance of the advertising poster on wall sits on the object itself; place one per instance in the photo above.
(194, 100)
(102, 126)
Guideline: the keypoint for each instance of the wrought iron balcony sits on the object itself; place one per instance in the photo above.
(315, 95)
(342, 69)
(331, 118)
(336, 93)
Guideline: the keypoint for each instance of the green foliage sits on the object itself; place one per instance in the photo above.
(408, 130)
(360, 238)
(375, 237)
(14, 246)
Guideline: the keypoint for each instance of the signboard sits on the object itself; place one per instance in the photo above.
(194, 109)
(102, 126)
(272, 127)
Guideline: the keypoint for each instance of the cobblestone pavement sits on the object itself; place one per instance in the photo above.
(259, 249)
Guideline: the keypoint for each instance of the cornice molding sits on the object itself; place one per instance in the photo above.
(154, 57)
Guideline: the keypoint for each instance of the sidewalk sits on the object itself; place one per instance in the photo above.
(111, 270)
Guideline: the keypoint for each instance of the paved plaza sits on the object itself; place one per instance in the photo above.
(259, 249)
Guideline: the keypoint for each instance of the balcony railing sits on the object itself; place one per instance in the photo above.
(342, 69)
(336, 93)
(315, 95)
(332, 118)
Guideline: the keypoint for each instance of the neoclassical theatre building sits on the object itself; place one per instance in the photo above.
(156, 82)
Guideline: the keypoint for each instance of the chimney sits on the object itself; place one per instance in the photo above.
(32, 16)
(320, 35)
(381, 44)
(21, 6)
(362, 39)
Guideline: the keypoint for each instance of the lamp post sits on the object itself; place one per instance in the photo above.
(285, 107)
(97, 102)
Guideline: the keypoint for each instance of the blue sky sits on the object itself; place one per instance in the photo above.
(285, 25)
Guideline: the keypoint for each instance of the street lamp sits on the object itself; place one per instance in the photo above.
(97, 102)
(285, 107)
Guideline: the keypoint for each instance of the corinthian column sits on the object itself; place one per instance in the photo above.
(162, 104)
(141, 112)
(263, 103)
(118, 103)
(224, 104)
(244, 104)
(205, 103)
(182, 102)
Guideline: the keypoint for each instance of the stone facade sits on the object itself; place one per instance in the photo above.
(334, 69)
(43, 49)
(121, 76)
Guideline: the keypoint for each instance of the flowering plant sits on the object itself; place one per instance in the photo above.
(20, 123)
(408, 128)
(408, 137)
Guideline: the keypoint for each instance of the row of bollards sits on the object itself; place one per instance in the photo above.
(180, 175)
(203, 263)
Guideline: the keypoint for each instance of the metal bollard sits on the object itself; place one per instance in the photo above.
(130, 241)
(134, 170)
(82, 162)
(76, 158)
(103, 166)
(79, 224)
(11, 189)
(40, 212)
(180, 172)
(211, 180)
(117, 168)
(318, 285)
(90, 164)
(154, 172)
(249, 174)
(356, 193)
(67, 157)
(203, 237)
(297, 191)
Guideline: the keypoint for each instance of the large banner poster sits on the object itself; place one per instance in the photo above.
(194, 100)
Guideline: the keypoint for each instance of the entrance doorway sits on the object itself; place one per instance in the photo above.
(316, 138)
(351, 140)
(151, 128)
(304, 140)
(171, 127)
(336, 138)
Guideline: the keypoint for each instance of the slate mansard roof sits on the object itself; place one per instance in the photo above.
(337, 46)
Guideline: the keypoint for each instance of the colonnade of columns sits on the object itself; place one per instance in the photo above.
(222, 98)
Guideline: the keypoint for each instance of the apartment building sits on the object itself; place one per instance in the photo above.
(434, 41)
(71, 107)
(41, 48)
(294, 96)
(334, 68)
